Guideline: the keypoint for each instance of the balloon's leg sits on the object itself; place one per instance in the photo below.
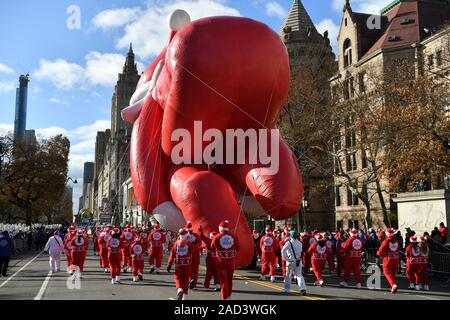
(206, 199)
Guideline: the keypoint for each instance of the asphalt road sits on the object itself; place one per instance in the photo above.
(29, 278)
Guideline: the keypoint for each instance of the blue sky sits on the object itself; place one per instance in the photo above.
(73, 71)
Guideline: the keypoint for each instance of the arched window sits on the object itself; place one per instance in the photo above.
(347, 52)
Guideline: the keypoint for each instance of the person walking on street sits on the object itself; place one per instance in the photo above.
(6, 251)
(291, 253)
(389, 252)
(54, 247)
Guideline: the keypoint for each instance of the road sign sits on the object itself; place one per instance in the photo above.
(105, 218)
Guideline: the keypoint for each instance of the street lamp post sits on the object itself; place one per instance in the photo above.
(304, 208)
(70, 179)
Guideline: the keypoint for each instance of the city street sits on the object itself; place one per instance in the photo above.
(29, 278)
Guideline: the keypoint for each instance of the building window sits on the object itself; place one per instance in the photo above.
(349, 197)
(439, 58)
(353, 224)
(364, 161)
(351, 161)
(430, 61)
(338, 196)
(347, 52)
(345, 21)
(339, 224)
(349, 89)
(362, 82)
(365, 191)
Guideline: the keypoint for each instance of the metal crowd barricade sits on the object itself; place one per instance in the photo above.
(440, 263)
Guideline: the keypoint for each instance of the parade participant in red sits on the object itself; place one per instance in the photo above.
(318, 251)
(286, 234)
(115, 246)
(389, 252)
(144, 239)
(226, 247)
(156, 239)
(170, 239)
(269, 248)
(137, 259)
(127, 239)
(181, 255)
(307, 241)
(103, 243)
(352, 263)
(413, 264)
(79, 246)
(95, 236)
(340, 254)
(211, 260)
(425, 255)
(196, 242)
(71, 233)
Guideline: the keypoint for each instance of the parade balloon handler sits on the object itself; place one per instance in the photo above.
(115, 247)
(196, 242)
(6, 251)
(181, 255)
(352, 264)
(211, 260)
(269, 246)
(103, 240)
(156, 240)
(192, 90)
(137, 259)
(318, 251)
(389, 250)
(54, 247)
(291, 254)
(79, 245)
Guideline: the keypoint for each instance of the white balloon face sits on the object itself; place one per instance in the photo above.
(178, 19)
(268, 241)
(157, 236)
(357, 245)
(393, 246)
(137, 249)
(226, 241)
(182, 250)
(114, 243)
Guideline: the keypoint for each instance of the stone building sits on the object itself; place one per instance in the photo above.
(309, 51)
(405, 30)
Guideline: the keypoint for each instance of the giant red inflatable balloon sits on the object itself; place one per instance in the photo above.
(227, 73)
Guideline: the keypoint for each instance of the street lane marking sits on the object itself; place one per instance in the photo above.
(26, 265)
(44, 286)
(278, 288)
(427, 297)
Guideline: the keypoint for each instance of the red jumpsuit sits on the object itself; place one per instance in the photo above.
(424, 267)
(95, 236)
(211, 263)
(307, 241)
(269, 247)
(196, 242)
(127, 239)
(389, 251)
(68, 249)
(144, 237)
(413, 264)
(352, 263)
(226, 247)
(137, 258)
(181, 255)
(79, 245)
(103, 246)
(318, 259)
(115, 246)
(330, 255)
(340, 257)
(156, 239)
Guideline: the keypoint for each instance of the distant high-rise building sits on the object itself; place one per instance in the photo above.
(30, 137)
(21, 107)
(88, 177)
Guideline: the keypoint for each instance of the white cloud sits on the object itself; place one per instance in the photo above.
(62, 74)
(115, 18)
(89, 132)
(149, 32)
(274, 9)
(87, 146)
(6, 129)
(5, 69)
(101, 69)
(365, 6)
(58, 101)
(47, 133)
(333, 30)
(7, 86)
